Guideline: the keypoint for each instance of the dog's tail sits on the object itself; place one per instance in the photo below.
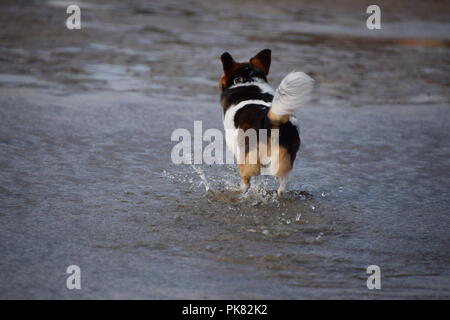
(292, 93)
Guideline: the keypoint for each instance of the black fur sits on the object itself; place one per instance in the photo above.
(234, 96)
(247, 72)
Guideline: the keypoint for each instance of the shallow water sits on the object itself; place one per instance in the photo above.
(86, 177)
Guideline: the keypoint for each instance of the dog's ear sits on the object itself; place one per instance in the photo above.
(228, 63)
(262, 61)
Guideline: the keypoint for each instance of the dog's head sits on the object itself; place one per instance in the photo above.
(239, 72)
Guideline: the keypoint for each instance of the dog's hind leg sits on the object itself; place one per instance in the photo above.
(246, 171)
(280, 167)
(245, 183)
(283, 183)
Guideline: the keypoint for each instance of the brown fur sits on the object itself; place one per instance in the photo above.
(262, 61)
(248, 170)
(284, 160)
(276, 119)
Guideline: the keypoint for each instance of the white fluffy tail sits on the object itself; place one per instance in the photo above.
(292, 93)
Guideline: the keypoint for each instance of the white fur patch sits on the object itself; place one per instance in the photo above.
(264, 86)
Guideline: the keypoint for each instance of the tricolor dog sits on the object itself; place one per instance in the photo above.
(249, 102)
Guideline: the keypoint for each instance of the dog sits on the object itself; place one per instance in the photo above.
(249, 102)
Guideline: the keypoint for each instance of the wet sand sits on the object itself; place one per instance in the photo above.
(86, 176)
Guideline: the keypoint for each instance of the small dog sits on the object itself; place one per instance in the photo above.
(249, 102)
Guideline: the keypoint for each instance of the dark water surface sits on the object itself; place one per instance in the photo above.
(86, 175)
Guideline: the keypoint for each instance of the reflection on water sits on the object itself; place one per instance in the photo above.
(86, 176)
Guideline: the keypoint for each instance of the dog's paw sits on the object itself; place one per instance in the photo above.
(245, 187)
(280, 193)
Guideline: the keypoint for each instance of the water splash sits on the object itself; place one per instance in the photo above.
(202, 176)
